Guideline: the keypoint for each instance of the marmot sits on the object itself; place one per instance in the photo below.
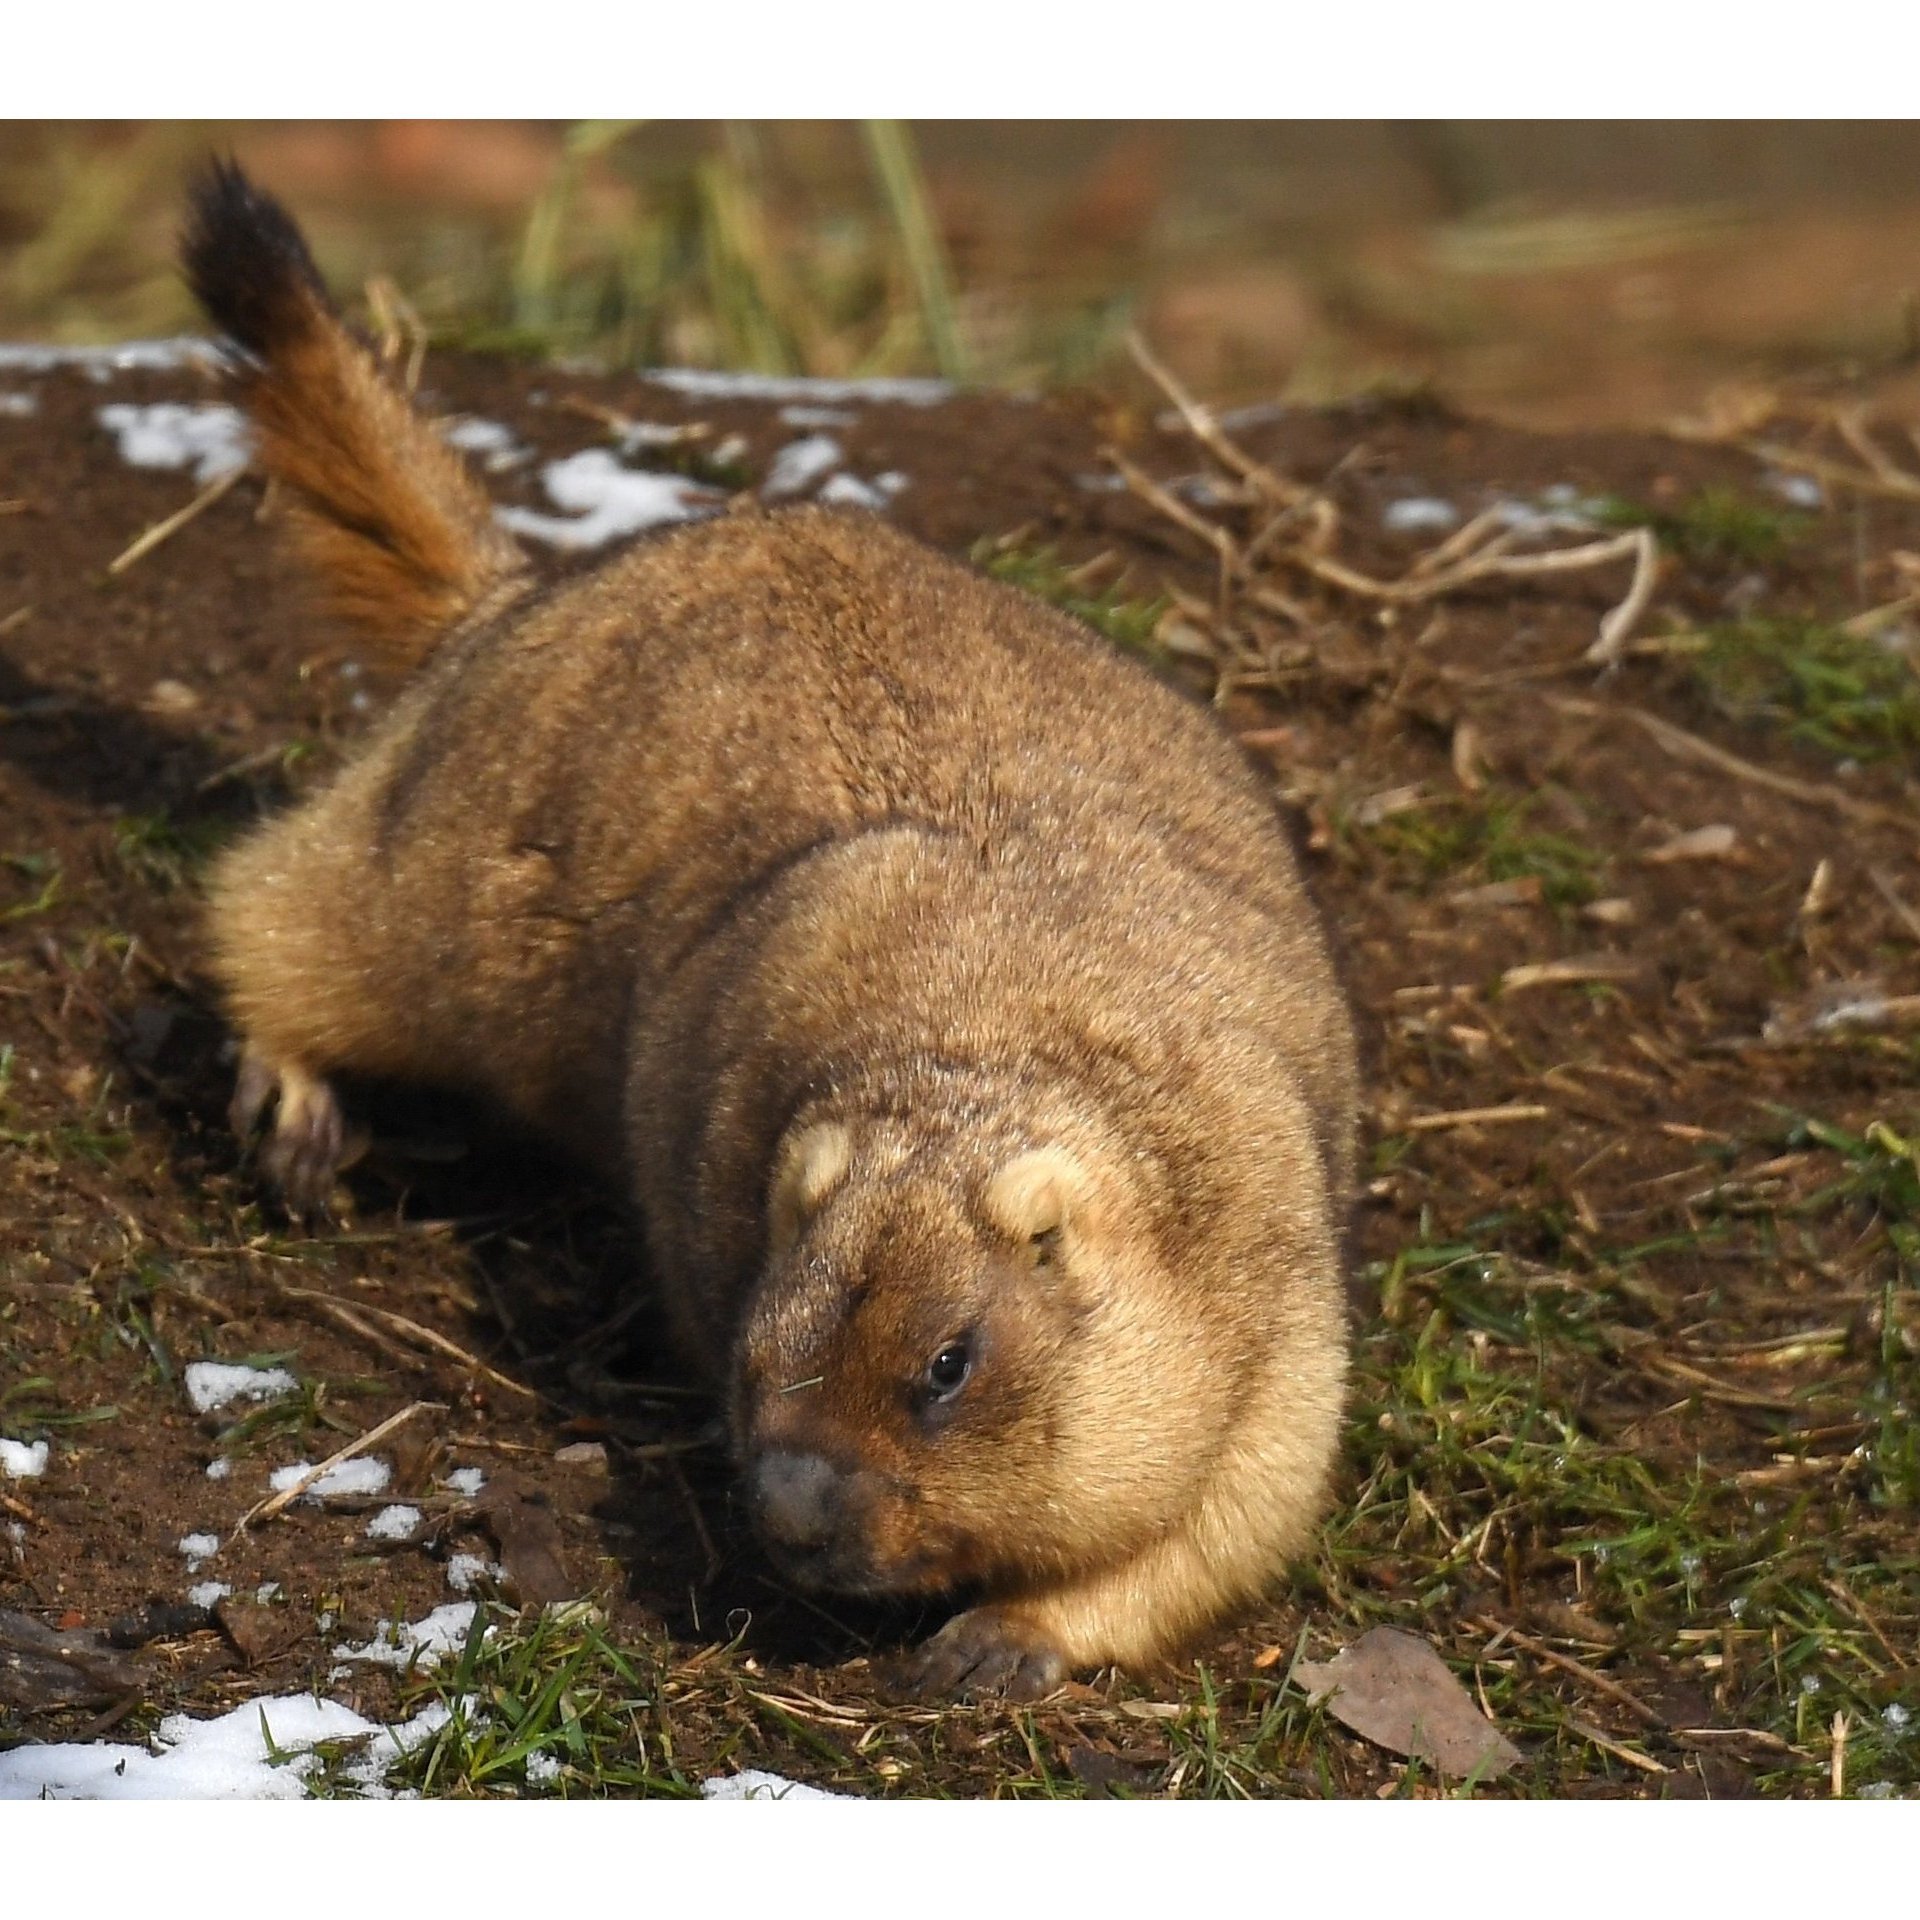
(939, 983)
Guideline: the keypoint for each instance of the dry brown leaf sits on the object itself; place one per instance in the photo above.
(1393, 1689)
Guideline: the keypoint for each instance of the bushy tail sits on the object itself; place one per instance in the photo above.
(398, 532)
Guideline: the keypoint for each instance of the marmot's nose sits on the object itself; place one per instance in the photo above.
(795, 1498)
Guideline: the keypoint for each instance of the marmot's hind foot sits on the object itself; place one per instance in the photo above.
(307, 1145)
(986, 1651)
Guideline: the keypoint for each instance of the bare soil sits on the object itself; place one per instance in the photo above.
(144, 717)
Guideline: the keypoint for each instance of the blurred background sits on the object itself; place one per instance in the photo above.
(1550, 273)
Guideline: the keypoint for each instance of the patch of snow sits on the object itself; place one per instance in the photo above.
(637, 434)
(228, 1758)
(423, 1643)
(207, 1593)
(212, 1385)
(220, 1468)
(1202, 489)
(198, 1547)
(818, 416)
(19, 406)
(467, 1480)
(700, 384)
(1895, 1718)
(1798, 489)
(1260, 414)
(496, 446)
(541, 1767)
(463, 1569)
(19, 1461)
(800, 465)
(1421, 514)
(266, 1592)
(607, 502)
(1535, 522)
(849, 490)
(393, 1523)
(1877, 1790)
(753, 1784)
(212, 438)
(125, 356)
(366, 1475)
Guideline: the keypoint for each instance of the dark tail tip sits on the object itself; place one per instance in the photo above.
(246, 261)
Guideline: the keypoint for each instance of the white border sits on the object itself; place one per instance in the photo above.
(978, 59)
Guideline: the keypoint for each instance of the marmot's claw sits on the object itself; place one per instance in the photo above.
(307, 1143)
(986, 1651)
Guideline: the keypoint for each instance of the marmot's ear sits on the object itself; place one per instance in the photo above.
(1036, 1193)
(812, 1164)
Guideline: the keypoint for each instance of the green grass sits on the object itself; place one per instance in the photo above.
(1476, 1464)
(165, 853)
(546, 1705)
(1716, 527)
(291, 1420)
(31, 1409)
(1128, 622)
(1876, 1200)
(1482, 838)
(42, 875)
(1847, 697)
(709, 258)
(95, 1138)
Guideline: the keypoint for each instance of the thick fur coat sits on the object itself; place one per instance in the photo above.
(939, 984)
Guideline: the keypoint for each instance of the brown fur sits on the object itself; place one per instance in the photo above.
(938, 983)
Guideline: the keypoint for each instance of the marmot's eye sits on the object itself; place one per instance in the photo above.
(949, 1369)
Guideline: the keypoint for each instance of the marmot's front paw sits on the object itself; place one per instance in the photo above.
(307, 1146)
(986, 1651)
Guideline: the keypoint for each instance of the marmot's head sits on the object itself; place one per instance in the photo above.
(964, 1359)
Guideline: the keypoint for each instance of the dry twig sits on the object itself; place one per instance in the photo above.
(1204, 428)
(399, 325)
(1689, 746)
(1477, 552)
(1580, 1671)
(278, 1502)
(1476, 1117)
(414, 1333)
(164, 530)
(1631, 1755)
(1883, 885)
